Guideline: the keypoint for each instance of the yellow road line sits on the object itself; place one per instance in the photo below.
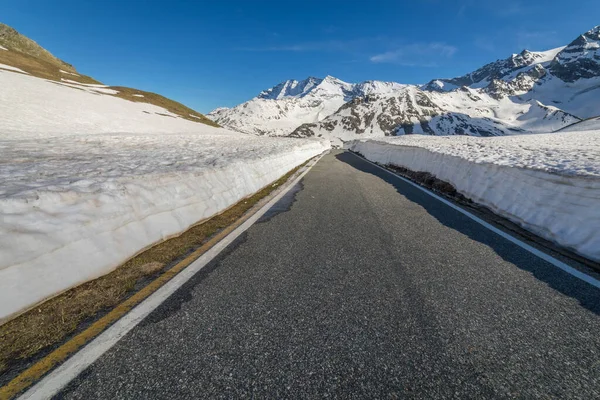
(39, 369)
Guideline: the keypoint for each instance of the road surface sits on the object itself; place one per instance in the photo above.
(363, 287)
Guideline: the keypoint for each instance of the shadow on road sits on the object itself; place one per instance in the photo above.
(587, 295)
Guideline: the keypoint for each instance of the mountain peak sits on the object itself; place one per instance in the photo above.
(580, 59)
(297, 89)
(593, 33)
(290, 88)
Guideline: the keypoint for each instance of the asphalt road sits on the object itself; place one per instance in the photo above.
(364, 287)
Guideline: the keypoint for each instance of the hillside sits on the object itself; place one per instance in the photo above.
(529, 92)
(21, 54)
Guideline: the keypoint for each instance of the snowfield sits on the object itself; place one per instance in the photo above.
(547, 183)
(88, 180)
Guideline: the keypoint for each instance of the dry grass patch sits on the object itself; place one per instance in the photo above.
(40, 68)
(52, 321)
(161, 101)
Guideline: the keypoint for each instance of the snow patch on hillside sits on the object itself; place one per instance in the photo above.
(11, 68)
(35, 107)
(68, 73)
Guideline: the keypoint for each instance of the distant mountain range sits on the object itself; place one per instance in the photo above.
(529, 92)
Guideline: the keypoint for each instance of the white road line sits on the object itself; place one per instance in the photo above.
(546, 257)
(70, 369)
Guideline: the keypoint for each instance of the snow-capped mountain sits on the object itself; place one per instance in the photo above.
(529, 92)
(464, 111)
(281, 109)
(506, 70)
(580, 59)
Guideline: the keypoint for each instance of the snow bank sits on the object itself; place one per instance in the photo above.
(78, 196)
(74, 209)
(547, 183)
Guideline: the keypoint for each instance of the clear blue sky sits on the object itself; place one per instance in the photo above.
(220, 53)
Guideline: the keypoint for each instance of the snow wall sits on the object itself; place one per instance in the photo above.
(115, 224)
(562, 209)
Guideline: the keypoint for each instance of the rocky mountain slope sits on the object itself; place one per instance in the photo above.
(282, 108)
(529, 92)
(20, 54)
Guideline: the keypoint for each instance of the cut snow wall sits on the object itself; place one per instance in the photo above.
(115, 224)
(562, 209)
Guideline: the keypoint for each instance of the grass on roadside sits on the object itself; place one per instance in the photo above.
(52, 321)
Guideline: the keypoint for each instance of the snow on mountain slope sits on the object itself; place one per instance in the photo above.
(547, 183)
(88, 179)
(566, 77)
(22, 54)
(412, 110)
(529, 92)
(506, 70)
(590, 124)
(580, 59)
(281, 109)
(35, 106)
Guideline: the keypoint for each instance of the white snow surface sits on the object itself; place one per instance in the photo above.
(36, 107)
(68, 73)
(11, 68)
(547, 183)
(589, 124)
(3, 48)
(80, 194)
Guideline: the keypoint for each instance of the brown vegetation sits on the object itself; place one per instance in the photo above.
(161, 101)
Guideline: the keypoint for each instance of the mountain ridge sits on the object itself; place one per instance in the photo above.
(284, 106)
(528, 92)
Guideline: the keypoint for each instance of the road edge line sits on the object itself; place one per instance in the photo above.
(544, 256)
(58, 378)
